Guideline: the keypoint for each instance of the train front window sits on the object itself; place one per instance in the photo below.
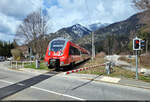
(57, 45)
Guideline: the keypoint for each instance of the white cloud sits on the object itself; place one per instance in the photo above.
(12, 13)
(69, 12)
(6, 37)
(63, 13)
(18, 8)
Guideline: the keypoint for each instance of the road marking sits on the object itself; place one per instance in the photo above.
(6, 81)
(47, 91)
(57, 93)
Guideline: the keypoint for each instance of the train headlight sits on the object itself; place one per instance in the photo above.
(49, 53)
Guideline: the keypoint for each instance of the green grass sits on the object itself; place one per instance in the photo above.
(33, 66)
(144, 78)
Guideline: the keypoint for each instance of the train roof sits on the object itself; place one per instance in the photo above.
(60, 38)
(66, 40)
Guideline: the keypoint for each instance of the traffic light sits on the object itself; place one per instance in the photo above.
(136, 44)
(142, 44)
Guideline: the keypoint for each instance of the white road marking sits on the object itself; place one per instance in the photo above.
(56, 93)
(6, 81)
(47, 91)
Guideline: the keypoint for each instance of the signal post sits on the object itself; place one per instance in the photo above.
(138, 44)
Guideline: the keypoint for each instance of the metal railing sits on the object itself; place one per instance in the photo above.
(19, 64)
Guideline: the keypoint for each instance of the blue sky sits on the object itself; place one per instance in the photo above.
(63, 13)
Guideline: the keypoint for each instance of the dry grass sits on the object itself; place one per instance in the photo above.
(101, 55)
(95, 61)
(132, 61)
(144, 61)
(117, 71)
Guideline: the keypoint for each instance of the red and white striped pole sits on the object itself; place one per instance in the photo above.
(81, 69)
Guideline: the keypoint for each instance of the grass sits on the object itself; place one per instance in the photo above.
(33, 66)
(117, 71)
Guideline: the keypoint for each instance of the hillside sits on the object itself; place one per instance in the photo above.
(115, 35)
(113, 38)
(96, 26)
(72, 33)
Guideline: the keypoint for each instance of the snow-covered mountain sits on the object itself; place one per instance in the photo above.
(96, 26)
(73, 32)
(79, 30)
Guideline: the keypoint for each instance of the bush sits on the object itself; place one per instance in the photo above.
(16, 53)
(101, 55)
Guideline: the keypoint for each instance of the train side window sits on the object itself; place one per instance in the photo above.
(73, 51)
(77, 52)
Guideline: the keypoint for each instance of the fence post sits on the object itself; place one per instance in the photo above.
(16, 64)
(11, 64)
(23, 64)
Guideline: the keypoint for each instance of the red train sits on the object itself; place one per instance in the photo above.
(62, 52)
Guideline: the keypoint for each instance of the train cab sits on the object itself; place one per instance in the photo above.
(62, 52)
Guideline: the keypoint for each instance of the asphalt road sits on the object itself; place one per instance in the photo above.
(15, 85)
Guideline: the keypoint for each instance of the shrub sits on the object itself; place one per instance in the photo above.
(16, 53)
(101, 54)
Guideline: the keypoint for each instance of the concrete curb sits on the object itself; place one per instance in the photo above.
(121, 84)
(131, 85)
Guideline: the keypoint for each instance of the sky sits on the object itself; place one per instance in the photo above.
(62, 13)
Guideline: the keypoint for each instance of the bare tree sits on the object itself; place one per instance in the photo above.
(144, 5)
(32, 32)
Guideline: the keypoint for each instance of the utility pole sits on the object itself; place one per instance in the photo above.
(93, 47)
(137, 64)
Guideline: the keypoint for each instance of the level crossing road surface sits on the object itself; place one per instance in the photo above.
(17, 85)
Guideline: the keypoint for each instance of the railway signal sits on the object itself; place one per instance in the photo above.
(136, 44)
(142, 44)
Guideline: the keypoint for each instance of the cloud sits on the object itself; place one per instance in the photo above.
(6, 37)
(18, 8)
(63, 13)
(12, 14)
(68, 12)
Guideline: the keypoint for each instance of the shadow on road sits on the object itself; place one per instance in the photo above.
(14, 88)
(85, 83)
